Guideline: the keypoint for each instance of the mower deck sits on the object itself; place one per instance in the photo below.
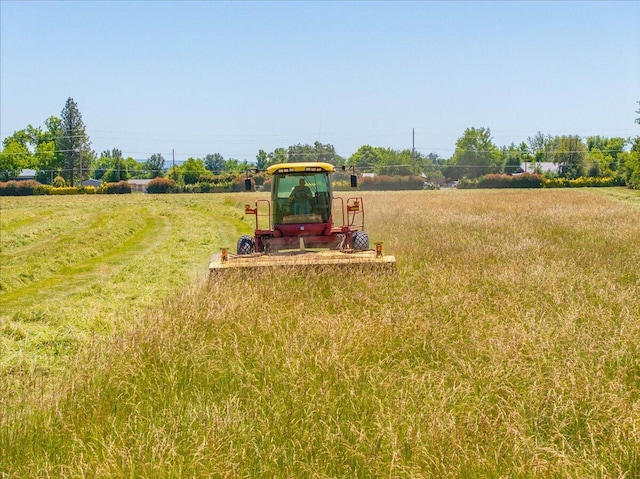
(298, 258)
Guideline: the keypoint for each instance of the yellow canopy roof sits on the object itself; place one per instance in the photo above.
(309, 166)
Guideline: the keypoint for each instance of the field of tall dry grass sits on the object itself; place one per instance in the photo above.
(506, 344)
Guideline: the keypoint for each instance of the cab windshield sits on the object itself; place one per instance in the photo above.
(301, 198)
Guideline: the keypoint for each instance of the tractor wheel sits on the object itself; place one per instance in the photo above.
(245, 245)
(360, 241)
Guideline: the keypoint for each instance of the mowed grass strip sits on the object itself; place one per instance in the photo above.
(25, 221)
(108, 259)
(506, 345)
(72, 251)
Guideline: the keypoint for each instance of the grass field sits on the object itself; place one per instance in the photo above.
(507, 344)
(76, 266)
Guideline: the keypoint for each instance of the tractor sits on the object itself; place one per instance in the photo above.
(304, 224)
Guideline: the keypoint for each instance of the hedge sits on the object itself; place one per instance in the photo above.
(376, 183)
(161, 185)
(583, 181)
(119, 188)
(525, 180)
(70, 190)
(533, 180)
(18, 188)
(391, 183)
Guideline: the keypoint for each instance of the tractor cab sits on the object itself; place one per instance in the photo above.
(301, 195)
(301, 213)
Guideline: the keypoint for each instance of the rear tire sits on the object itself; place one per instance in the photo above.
(360, 241)
(245, 245)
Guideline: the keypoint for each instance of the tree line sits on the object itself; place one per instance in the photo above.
(595, 156)
(61, 152)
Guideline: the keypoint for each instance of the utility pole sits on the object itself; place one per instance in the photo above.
(173, 169)
(413, 149)
(413, 143)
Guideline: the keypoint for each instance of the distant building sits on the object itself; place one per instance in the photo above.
(25, 175)
(543, 167)
(138, 186)
(91, 182)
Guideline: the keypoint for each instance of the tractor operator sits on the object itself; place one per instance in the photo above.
(301, 197)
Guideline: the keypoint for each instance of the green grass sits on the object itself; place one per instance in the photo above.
(72, 267)
(506, 345)
(624, 194)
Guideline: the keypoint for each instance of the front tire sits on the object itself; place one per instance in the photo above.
(360, 241)
(245, 245)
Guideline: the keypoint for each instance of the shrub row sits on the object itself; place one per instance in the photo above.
(167, 185)
(533, 180)
(228, 179)
(160, 185)
(525, 180)
(582, 182)
(31, 187)
(19, 188)
(69, 190)
(376, 183)
(157, 185)
(211, 188)
(391, 183)
(119, 188)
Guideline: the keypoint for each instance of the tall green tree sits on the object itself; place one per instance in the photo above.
(279, 155)
(262, 160)
(603, 156)
(539, 146)
(569, 153)
(73, 144)
(596, 164)
(192, 170)
(398, 163)
(475, 155)
(386, 161)
(134, 167)
(367, 157)
(233, 165)
(113, 167)
(114, 175)
(630, 165)
(15, 155)
(317, 152)
(525, 152)
(511, 159)
(432, 165)
(32, 147)
(154, 166)
(47, 160)
(105, 162)
(214, 163)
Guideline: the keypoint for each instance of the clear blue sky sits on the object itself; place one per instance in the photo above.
(234, 77)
